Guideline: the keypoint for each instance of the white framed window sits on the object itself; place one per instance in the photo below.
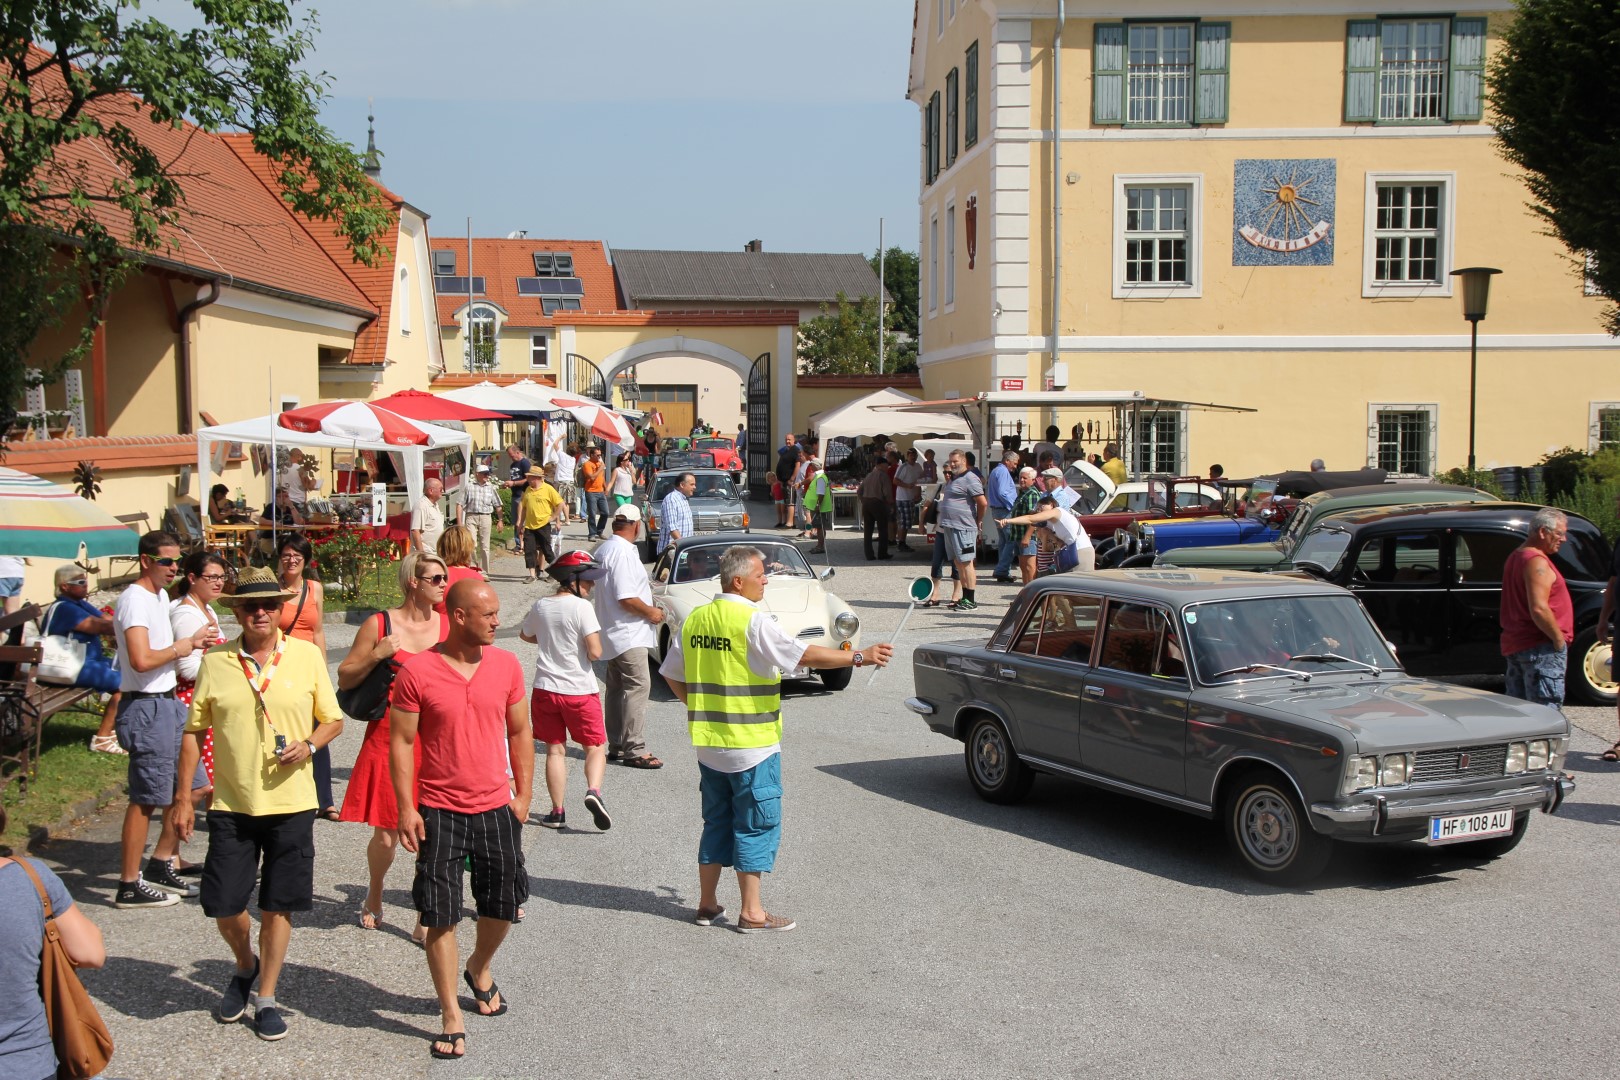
(950, 256)
(1402, 439)
(1407, 241)
(402, 293)
(539, 350)
(1157, 252)
(933, 264)
(1603, 427)
(483, 338)
(1412, 58)
(1160, 443)
(1159, 73)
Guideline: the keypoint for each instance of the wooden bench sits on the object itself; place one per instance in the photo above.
(25, 703)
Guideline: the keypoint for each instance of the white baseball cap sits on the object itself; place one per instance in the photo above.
(628, 512)
(1058, 473)
(483, 467)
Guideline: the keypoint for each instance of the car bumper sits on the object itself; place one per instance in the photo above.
(1395, 816)
(926, 710)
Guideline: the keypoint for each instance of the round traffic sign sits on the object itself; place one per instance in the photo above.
(920, 589)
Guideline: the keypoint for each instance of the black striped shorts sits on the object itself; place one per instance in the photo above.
(493, 842)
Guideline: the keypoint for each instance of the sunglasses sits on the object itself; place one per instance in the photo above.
(436, 579)
(253, 607)
(81, 583)
(164, 561)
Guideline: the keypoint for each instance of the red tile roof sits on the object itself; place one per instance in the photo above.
(501, 262)
(232, 227)
(376, 283)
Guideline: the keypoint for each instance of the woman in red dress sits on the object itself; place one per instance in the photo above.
(414, 626)
(304, 618)
(199, 584)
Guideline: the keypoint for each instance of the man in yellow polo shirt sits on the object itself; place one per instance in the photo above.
(539, 502)
(726, 666)
(269, 700)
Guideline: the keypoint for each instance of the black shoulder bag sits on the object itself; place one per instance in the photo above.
(369, 700)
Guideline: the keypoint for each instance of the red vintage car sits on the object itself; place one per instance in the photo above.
(1152, 499)
(725, 455)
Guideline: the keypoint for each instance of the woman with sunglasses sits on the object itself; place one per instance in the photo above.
(304, 618)
(201, 579)
(413, 627)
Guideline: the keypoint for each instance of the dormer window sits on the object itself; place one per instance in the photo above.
(444, 263)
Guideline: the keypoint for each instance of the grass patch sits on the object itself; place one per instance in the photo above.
(68, 773)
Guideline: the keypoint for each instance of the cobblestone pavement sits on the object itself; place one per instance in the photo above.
(939, 936)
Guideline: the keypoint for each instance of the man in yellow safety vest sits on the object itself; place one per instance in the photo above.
(725, 665)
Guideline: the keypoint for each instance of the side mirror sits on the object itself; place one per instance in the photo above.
(742, 493)
(826, 573)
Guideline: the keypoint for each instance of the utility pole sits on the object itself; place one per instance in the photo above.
(881, 312)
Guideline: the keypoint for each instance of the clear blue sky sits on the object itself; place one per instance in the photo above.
(644, 123)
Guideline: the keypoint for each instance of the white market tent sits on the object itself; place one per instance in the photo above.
(863, 416)
(265, 431)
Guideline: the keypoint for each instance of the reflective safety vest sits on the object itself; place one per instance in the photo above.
(727, 705)
(818, 499)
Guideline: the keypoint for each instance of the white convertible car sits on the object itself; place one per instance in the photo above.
(687, 575)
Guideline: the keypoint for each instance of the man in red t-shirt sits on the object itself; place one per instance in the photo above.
(1538, 621)
(467, 703)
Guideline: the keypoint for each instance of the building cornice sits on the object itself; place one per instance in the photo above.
(1266, 343)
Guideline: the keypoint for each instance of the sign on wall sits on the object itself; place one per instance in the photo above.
(1283, 211)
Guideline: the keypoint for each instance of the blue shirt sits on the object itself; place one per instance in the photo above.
(1003, 488)
(69, 613)
(1065, 496)
(675, 513)
(25, 1041)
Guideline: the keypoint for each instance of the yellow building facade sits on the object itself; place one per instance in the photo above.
(1260, 210)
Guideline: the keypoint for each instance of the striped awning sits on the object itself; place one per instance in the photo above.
(43, 520)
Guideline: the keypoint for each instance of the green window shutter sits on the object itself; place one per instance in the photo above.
(1212, 59)
(970, 97)
(1108, 74)
(951, 117)
(1466, 100)
(1361, 71)
(933, 137)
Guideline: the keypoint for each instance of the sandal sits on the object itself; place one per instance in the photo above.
(370, 920)
(457, 1041)
(330, 813)
(484, 997)
(1611, 754)
(106, 744)
(642, 761)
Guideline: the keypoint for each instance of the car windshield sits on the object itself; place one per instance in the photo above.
(708, 487)
(1296, 524)
(713, 444)
(1291, 636)
(1323, 548)
(702, 561)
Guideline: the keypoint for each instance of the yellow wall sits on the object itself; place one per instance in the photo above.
(718, 388)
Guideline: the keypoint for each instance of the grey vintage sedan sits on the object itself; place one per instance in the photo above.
(1270, 703)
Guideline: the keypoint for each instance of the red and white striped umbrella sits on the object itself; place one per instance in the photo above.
(359, 420)
(603, 422)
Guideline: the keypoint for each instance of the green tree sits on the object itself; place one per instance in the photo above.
(845, 341)
(69, 235)
(901, 271)
(1555, 89)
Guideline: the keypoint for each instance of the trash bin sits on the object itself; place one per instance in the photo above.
(1508, 479)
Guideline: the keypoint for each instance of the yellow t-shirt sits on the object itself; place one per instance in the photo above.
(247, 777)
(1114, 469)
(539, 503)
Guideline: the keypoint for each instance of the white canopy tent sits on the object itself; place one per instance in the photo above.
(265, 431)
(863, 417)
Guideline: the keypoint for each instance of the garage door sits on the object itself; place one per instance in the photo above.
(677, 403)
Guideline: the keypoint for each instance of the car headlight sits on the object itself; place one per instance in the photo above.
(1538, 755)
(1360, 773)
(1518, 756)
(1394, 770)
(1121, 535)
(846, 625)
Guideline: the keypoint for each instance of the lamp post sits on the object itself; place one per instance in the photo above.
(1476, 295)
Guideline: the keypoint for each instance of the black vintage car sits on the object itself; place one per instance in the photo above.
(1431, 577)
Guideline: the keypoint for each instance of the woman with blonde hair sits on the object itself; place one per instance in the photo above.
(458, 548)
(391, 638)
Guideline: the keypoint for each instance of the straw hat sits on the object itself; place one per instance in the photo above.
(535, 473)
(256, 583)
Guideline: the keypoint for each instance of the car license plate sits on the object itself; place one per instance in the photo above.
(1445, 830)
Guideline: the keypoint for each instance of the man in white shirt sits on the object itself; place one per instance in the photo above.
(624, 608)
(567, 460)
(295, 480)
(427, 521)
(150, 722)
(907, 490)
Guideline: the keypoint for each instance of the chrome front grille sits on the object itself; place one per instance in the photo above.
(813, 631)
(1483, 761)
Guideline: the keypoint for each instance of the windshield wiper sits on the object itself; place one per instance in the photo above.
(1250, 668)
(1374, 668)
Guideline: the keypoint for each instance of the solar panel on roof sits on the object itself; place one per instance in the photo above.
(450, 286)
(539, 286)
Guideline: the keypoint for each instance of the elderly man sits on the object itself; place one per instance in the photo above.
(628, 616)
(269, 700)
(1053, 481)
(1002, 492)
(876, 494)
(962, 504)
(427, 520)
(535, 510)
(818, 503)
(73, 616)
(907, 493)
(465, 703)
(478, 508)
(725, 665)
(1112, 467)
(1538, 620)
(675, 511)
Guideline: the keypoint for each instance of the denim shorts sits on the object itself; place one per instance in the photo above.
(742, 816)
(149, 729)
(1537, 674)
(10, 586)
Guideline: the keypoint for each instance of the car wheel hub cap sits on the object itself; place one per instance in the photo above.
(992, 758)
(1268, 829)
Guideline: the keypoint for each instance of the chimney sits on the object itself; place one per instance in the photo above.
(754, 245)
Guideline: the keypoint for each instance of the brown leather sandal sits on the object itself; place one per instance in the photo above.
(642, 761)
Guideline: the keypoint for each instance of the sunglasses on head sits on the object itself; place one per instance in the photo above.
(253, 606)
(436, 579)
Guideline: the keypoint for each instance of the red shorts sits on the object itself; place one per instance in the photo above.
(557, 717)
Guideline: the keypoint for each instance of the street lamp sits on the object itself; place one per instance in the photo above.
(1476, 295)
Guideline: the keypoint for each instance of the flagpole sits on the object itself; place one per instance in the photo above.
(881, 254)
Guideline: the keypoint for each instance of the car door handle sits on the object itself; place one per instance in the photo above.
(1096, 691)
(1007, 672)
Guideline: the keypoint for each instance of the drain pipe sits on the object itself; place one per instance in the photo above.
(1057, 204)
(184, 354)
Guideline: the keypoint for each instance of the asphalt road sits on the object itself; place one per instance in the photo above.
(939, 936)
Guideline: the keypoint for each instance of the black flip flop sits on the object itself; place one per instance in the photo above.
(454, 1038)
(484, 997)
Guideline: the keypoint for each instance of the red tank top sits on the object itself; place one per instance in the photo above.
(1519, 630)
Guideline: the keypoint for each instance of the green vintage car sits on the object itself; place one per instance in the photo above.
(1278, 554)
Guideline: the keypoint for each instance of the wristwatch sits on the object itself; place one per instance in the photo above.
(859, 659)
(311, 744)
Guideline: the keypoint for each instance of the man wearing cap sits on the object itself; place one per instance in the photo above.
(479, 505)
(1061, 492)
(540, 501)
(269, 700)
(628, 617)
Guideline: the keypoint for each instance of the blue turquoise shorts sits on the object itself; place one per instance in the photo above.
(742, 816)
(1537, 674)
